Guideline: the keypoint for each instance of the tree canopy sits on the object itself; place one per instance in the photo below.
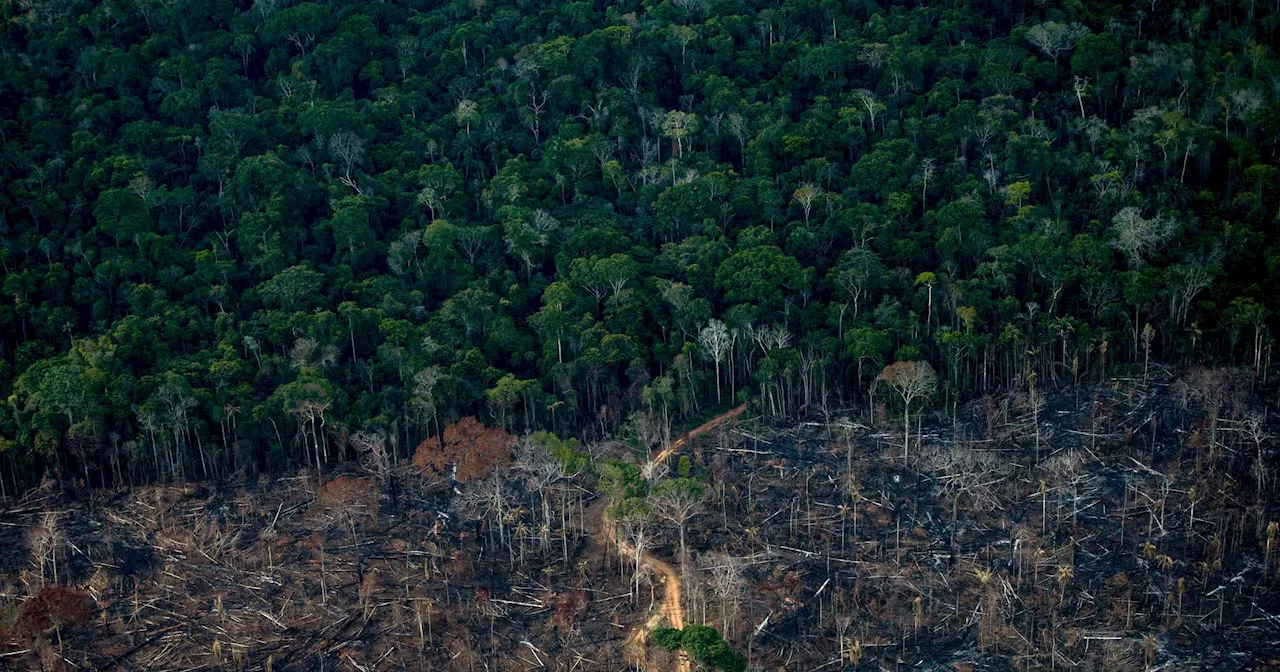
(234, 235)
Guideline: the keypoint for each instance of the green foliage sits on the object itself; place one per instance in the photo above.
(760, 276)
(565, 451)
(231, 224)
(704, 645)
(683, 488)
(668, 638)
(621, 481)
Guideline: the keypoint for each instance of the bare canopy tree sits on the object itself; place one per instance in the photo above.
(541, 472)
(44, 538)
(423, 401)
(347, 149)
(714, 339)
(871, 103)
(676, 501)
(740, 128)
(727, 583)
(1055, 37)
(1138, 236)
(490, 497)
(678, 125)
(371, 446)
(911, 380)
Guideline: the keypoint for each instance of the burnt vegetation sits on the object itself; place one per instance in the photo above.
(1125, 526)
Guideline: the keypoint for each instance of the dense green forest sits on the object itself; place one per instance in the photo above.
(240, 237)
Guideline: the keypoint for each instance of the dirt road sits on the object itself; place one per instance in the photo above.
(672, 610)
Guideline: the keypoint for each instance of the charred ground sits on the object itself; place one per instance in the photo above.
(1126, 526)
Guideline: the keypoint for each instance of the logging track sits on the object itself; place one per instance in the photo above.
(672, 609)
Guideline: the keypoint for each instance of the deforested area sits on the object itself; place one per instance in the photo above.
(678, 335)
(1121, 528)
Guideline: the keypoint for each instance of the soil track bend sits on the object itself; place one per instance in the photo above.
(671, 610)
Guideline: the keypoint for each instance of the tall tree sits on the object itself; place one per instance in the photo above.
(912, 381)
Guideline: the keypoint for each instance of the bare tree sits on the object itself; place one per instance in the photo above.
(1138, 236)
(1241, 104)
(960, 471)
(1255, 428)
(985, 129)
(740, 129)
(266, 8)
(371, 446)
(43, 539)
(858, 271)
(471, 240)
(677, 125)
(468, 113)
(423, 402)
(676, 501)
(873, 54)
(870, 103)
(1055, 37)
(603, 149)
(542, 472)
(689, 6)
(714, 339)
(769, 337)
(177, 406)
(347, 149)
(633, 524)
(652, 429)
(402, 253)
(911, 380)
(533, 112)
(1080, 86)
(633, 77)
(488, 498)
(928, 168)
(142, 187)
(727, 584)
(407, 54)
(435, 193)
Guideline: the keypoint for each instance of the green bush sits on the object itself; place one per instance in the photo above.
(704, 645)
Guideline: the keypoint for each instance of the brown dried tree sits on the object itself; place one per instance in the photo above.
(53, 608)
(469, 448)
(359, 495)
(346, 502)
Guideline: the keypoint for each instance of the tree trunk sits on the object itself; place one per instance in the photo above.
(906, 428)
(717, 381)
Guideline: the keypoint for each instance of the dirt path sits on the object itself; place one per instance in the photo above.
(672, 610)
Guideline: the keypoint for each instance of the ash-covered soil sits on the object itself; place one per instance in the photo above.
(1127, 526)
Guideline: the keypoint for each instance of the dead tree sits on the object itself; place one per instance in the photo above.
(542, 474)
(676, 501)
(467, 451)
(44, 538)
(489, 498)
(911, 380)
(727, 583)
